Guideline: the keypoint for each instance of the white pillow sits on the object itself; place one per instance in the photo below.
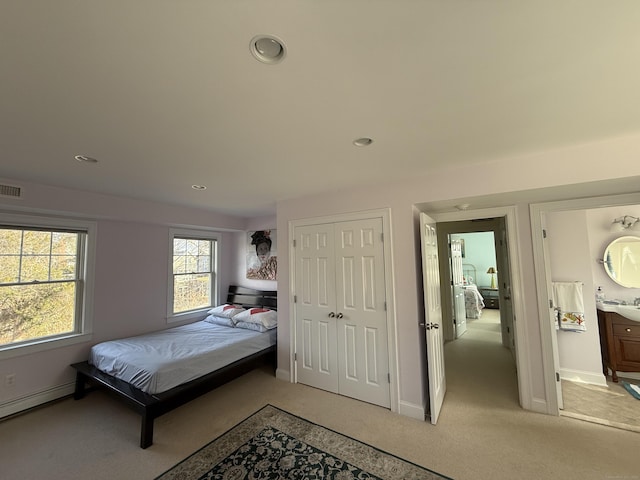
(261, 316)
(227, 322)
(226, 310)
(258, 327)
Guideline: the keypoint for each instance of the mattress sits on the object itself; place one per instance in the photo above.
(156, 362)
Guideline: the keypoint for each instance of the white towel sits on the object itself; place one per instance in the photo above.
(568, 301)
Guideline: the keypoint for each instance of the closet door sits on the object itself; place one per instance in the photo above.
(340, 316)
(363, 361)
(316, 328)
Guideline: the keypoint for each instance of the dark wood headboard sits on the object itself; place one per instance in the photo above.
(248, 297)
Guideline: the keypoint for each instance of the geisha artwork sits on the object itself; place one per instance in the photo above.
(262, 260)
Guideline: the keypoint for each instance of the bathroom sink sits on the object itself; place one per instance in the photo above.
(630, 312)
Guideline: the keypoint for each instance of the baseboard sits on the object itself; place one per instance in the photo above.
(36, 399)
(283, 374)
(584, 377)
(411, 410)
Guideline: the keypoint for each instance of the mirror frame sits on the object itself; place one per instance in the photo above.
(608, 261)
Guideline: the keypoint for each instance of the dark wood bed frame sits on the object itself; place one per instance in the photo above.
(151, 406)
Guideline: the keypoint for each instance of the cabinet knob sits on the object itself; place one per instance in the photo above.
(628, 330)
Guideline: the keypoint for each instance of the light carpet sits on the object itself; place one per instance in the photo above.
(273, 444)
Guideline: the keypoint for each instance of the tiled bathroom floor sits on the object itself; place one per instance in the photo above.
(611, 405)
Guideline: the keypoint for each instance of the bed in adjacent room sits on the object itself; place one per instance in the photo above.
(157, 372)
(473, 301)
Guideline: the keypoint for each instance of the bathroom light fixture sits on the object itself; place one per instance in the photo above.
(492, 271)
(626, 221)
(267, 49)
(463, 206)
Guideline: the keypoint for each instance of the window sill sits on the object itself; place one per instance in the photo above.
(192, 316)
(10, 351)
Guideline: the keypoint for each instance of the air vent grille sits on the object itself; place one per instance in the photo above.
(10, 191)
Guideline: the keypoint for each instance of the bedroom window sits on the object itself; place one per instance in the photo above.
(193, 272)
(43, 282)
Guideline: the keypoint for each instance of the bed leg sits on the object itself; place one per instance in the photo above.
(78, 393)
(146, 432)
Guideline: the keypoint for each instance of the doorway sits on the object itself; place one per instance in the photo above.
(486, 343)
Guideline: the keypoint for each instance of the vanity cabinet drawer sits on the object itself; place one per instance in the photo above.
(626, 330)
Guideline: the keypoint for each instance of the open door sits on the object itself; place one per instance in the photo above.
(457, 287)
(552, 312)
(433, 316)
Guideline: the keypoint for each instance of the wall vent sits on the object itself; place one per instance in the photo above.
(10, 191)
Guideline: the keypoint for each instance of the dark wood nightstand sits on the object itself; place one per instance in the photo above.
(490, 295)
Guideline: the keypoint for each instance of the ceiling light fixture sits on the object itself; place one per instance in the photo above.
(362, 142)
(463, 206)
(267, 49)
(199, 187)
(85, 159)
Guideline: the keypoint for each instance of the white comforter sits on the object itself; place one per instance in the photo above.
(158, 361)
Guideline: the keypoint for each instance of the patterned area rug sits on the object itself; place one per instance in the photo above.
(274, 444)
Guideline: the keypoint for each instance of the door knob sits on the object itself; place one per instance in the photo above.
(340, 315)
(331, 314)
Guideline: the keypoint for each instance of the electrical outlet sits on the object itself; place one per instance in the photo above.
(10, 379)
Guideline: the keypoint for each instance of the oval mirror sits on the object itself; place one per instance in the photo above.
(622, 261)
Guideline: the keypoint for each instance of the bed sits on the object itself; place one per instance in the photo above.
(473, 301)
(153, 386)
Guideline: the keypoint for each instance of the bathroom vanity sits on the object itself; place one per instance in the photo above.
(619, 343)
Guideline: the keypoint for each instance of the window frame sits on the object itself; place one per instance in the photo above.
(83, 331)
(194, 234)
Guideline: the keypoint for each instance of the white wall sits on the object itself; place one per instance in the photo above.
(560, 167)
(480, 251)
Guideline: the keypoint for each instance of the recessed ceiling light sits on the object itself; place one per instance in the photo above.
(85, 159)
(267, 49)
(463, 206)
(199, 187)
(362, 142)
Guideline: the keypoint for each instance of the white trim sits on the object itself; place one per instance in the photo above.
(411, 410)
(283, 374)
(537, 210)
(523, 364)
(215, 287)
(35, 399)
(392, 345)
(583, 377)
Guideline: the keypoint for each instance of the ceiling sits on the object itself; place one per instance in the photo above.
(165, 94)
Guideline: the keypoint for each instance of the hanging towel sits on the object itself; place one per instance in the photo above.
(568, 301)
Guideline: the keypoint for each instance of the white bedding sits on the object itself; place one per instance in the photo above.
(158, 361)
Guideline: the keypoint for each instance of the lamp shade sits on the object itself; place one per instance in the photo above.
(492, 270)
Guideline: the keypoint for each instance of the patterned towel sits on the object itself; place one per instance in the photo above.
(569, 303)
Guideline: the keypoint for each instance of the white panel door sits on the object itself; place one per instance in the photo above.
(363, 360)
(457, 277)
(316, 349)
(340, 316)
(433, 316)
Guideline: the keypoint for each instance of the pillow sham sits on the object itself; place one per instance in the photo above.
(258, 327)
(226, 310)
(261, 316)
(227, 322)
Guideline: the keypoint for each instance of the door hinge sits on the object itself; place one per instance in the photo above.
(389, 377)
(382, 237)
(295, 299)
(385, 306)
(557, 377)
(544, 233)
(550, 303)
(294, 243)
(295, 357)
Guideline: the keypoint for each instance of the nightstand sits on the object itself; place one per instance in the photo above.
(490, 295)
